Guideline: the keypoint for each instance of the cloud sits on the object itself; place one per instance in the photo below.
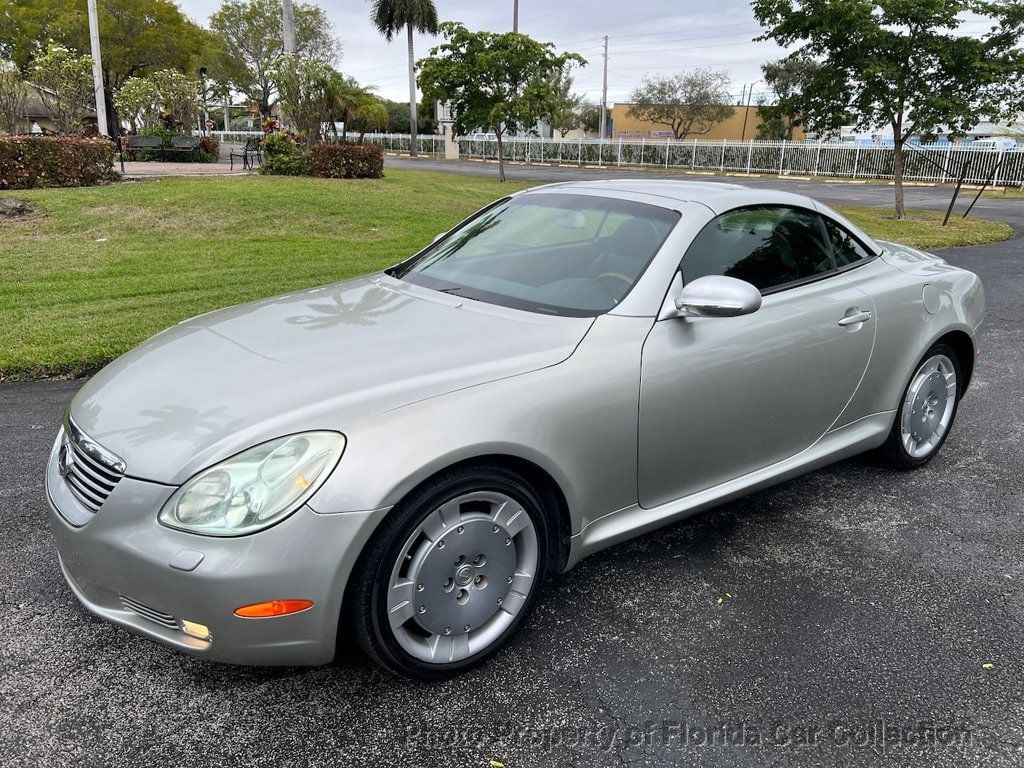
(645, 37)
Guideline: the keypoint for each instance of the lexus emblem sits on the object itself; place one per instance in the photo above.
(65, 460)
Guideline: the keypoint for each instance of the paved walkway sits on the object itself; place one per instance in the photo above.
(148, 170)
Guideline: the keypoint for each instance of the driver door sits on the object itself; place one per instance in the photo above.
(724, 396)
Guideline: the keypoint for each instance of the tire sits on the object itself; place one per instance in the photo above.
(446, 580)
(902, 449)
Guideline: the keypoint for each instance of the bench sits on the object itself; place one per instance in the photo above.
(252, 149)
(184, 144)
(137, 143)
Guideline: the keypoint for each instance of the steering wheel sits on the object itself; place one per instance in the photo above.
(605, 275)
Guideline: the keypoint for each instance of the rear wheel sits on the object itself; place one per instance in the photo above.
(926, 411)
(452, 573)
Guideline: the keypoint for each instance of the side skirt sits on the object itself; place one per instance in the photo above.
(624, 524)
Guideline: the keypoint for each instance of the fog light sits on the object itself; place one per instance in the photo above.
(270, 608)
(195, 629)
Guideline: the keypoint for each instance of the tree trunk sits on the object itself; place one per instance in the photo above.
(113, 119)
(413, 140)
(897, 175)
(501, 157)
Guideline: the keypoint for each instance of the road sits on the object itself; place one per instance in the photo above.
(850, 617)
(833, 192)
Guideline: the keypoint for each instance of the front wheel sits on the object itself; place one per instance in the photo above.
(451, 574)
(926, 411)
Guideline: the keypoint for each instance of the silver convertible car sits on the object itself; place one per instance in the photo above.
(403, 458)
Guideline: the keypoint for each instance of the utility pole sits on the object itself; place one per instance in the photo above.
(97, 70)
(515, 15)
(604, 91)
(288, 26)
(746, 110)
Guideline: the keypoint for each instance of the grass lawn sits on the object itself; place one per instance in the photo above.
(923, 229)
(1009, 193)
(98, 270)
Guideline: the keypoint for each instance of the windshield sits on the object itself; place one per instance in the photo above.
(554, 253)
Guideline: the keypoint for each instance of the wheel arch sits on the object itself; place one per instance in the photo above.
(542, 480)
(963, 346)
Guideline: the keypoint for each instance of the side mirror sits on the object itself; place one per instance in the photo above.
(717, 296)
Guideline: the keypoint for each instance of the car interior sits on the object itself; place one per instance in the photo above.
(584, 257)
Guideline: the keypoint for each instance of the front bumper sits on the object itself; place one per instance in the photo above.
(118, 564)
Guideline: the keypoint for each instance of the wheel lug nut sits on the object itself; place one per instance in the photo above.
(499, 601)
(466, 628)
(419, 587)
(461, 529)
(422, 609)
(447, 630)
(440, 544)
(508, 580)
(508, 542)
(496, 529)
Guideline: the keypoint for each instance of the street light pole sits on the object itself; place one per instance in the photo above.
(97, 70)
(515, 15)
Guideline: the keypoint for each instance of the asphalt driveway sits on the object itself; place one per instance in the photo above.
(850, 617)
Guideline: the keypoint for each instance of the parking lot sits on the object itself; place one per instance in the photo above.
(850, 617)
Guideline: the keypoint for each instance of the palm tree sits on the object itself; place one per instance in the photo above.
(372, 115)
(389, 16)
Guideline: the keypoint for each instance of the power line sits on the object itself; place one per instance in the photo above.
(688, 29)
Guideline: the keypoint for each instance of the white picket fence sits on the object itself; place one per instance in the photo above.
(922, 163)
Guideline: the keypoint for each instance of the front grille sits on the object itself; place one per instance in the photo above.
(158, 617)
(90, 471)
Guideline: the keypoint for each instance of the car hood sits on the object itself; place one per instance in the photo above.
(324, 358)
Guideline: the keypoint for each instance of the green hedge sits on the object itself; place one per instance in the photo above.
(347, 161)
(27, 162)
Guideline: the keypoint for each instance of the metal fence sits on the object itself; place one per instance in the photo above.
(921, 163)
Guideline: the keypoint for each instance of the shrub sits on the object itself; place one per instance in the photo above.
(284, 156)
(27, 162)
(209, 149)
(347, 161)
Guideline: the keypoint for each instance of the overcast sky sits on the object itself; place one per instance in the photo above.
(645, 36)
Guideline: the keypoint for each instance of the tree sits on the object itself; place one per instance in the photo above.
(65, 87)
(166, 96)
(501, 81)
(252, 33)
(904, 64)
(565, 107)
(389, 17)
(589, 117)
(398, 117)
(787, 78)
(688, 103)
(371, 115)
(13, 97)
(306, 88)
(138, 37)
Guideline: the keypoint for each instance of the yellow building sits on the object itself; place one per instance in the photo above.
(732, 129)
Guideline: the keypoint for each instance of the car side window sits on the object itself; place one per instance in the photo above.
(846, 249)
(768, 246)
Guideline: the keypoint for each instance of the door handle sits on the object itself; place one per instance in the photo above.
(860, 317)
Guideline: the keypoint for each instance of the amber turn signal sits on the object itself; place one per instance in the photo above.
(272, 608)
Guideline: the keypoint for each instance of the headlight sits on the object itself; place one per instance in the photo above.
(256, 488)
